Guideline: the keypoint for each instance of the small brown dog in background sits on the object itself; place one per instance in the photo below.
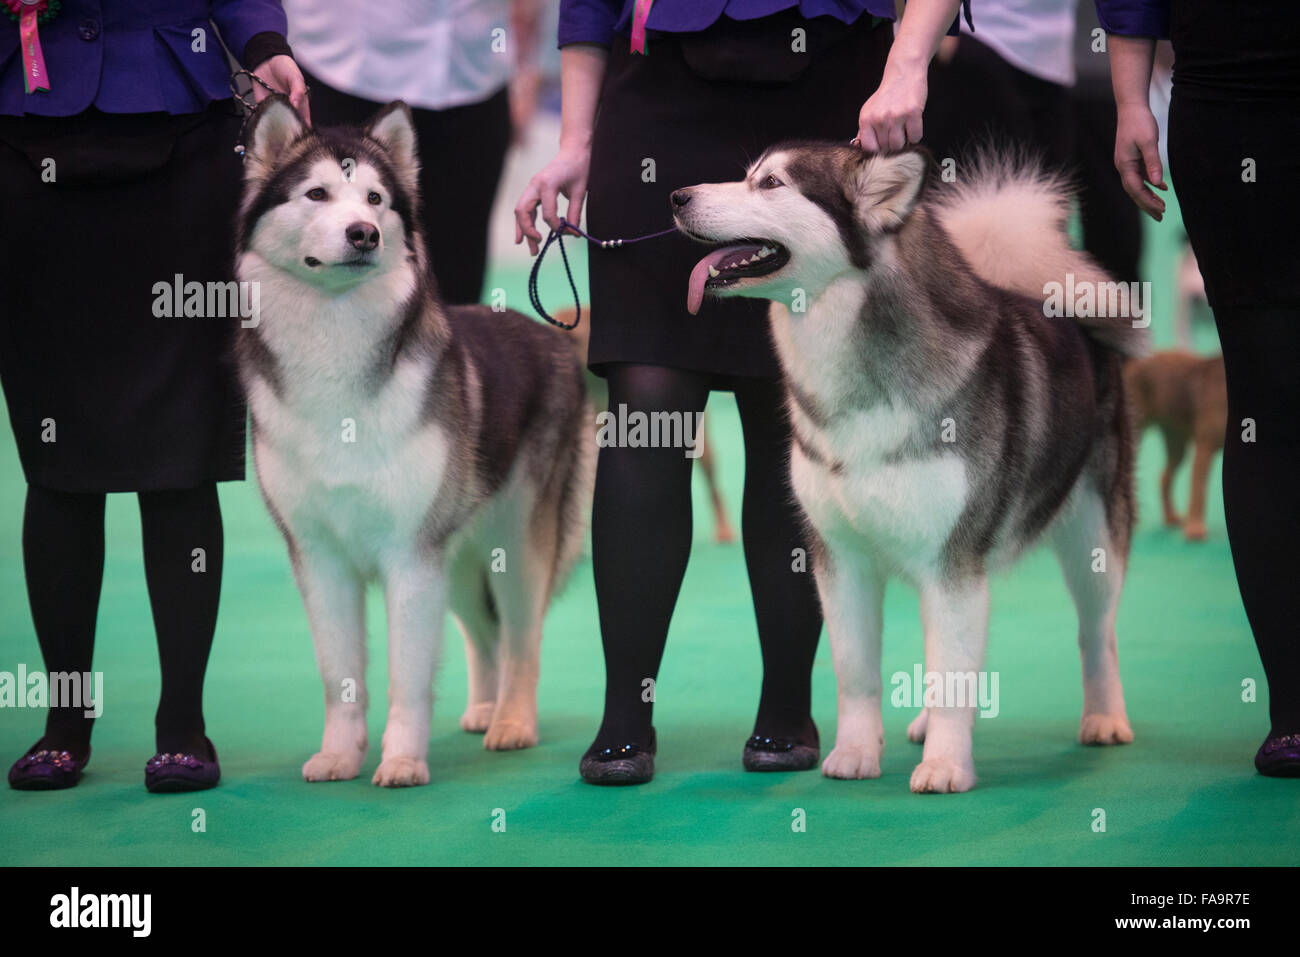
(723, 532)
(1186, 397)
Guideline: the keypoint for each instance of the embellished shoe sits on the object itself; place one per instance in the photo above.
(780, 754)
(169, 773)
(1279, 756)
(622, 764)
(46, 770)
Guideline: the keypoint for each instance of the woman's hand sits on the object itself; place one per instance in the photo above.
(1137, 157)
(567, 174)
(282, 75)
(891, 117)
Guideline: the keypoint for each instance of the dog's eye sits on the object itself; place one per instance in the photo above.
(317, 194)
(374, 198)
(770, 183)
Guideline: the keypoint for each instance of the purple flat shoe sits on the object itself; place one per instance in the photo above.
(46, 770)
(1279, 756)
(170, 773)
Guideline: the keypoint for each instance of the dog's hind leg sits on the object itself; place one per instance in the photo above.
(1094, 566)
(955, 617)
(475, 612)
(521, 594)
(334, 597)
(1202, 457)
(852, 591)
(415, 591)
(1175, 449)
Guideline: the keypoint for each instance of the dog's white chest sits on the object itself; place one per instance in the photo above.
(363, 471)
(861, 484)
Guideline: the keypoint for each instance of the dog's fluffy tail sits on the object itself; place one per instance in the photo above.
(1007, 215)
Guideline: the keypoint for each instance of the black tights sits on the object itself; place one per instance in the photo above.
(641, 539)
(63, 556)
(1261, 352)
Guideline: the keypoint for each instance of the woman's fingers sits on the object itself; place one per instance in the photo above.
(526, 217)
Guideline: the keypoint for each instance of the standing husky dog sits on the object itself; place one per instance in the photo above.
(444, 452)
(942, 423)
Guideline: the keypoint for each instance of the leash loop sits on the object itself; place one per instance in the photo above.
(557, 236)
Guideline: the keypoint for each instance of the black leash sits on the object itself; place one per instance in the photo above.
(248, 101)
(557, 237)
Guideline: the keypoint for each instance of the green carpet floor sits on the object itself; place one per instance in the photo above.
(1185, 792)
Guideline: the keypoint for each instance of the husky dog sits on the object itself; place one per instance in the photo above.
(443, 452)
(942, 423)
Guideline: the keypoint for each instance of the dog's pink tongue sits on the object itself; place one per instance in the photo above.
(700, 275)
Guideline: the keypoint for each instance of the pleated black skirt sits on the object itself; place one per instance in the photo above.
(103, 394)
(667, 120)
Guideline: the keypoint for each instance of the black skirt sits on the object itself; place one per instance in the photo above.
(103, 394)
(702, 107)
(1234, 147)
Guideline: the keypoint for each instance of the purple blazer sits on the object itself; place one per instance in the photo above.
(138, 56)
(1134, 18)
(598, 21)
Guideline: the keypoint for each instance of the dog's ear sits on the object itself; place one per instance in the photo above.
(272, 129)
(393, 128)
(884, 188)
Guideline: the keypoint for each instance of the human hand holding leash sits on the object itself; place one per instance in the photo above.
(582, 68)
(891, 117)
(282, 75)
(567, 174)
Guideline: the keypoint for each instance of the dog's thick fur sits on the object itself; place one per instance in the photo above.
(442, 452)
(1186, 397)
(942, 423)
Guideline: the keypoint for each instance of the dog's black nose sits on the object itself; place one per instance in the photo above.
(681, 197)
(364, 236)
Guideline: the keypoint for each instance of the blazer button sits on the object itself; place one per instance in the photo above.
(89, 29)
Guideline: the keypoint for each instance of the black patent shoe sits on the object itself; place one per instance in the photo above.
(763, 753)
(44, 769)
(622, 764)
(1279, 756)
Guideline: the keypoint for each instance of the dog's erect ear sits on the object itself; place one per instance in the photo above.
(393, 128)
(884, 188)
(272, 129)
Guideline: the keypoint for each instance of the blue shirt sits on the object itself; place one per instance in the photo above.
(1134, 18)
(133, 56)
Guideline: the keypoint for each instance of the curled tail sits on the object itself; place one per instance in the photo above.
(1006, 213)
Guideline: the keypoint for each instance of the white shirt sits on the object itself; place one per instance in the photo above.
(433, 54)
(1036, 36)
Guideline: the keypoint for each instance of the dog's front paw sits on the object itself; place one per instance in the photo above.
(478, 717)
(916, 730)
(399, 772)
(510, 735)
(851, 764)
(1194, 530)
(1105, 729)
(942, 776)
(332, 766)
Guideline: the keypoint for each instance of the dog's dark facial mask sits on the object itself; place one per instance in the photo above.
(806, 213)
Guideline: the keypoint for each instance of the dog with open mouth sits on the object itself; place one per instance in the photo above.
(942, 422)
